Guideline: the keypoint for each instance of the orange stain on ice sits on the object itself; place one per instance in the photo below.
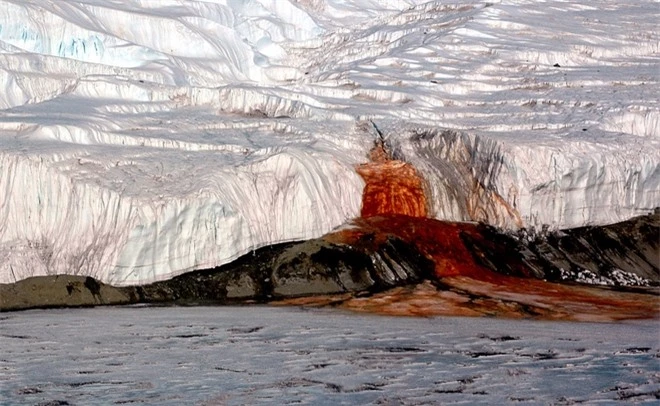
(438, 240)
(477, 290)
(394, 204)
(392, 187)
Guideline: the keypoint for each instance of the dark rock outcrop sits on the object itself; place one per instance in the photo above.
(60, 291)
(377, 254)
(626, 253)
(307, 268)
(313, 267)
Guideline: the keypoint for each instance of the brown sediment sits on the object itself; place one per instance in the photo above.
(564, 301)
(468, 297)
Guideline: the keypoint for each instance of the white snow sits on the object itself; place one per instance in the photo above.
(261, 355)
(143, 138)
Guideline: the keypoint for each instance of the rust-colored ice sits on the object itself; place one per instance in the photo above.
(465, 288)
(394, 204)
(392, 187)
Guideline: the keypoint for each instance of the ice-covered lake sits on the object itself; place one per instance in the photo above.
(271, 355)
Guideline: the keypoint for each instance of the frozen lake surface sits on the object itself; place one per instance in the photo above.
(270, 355)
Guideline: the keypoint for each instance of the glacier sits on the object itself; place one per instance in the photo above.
(142, 139)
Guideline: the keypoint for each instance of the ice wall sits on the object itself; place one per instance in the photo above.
(139, 224)
(559, 184)
(140, 139)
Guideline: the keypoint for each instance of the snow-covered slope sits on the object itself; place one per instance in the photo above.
(143, 138)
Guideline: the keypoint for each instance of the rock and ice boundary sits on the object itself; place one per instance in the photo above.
(143, 139)
(413, 266)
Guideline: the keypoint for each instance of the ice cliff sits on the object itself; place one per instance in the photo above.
(141, 139)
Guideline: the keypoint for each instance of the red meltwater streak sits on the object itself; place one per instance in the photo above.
(394, 204)
(392, 187)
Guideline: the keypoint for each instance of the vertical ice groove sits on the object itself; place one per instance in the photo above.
(287, 202)
(477, 179)
(54, 224)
